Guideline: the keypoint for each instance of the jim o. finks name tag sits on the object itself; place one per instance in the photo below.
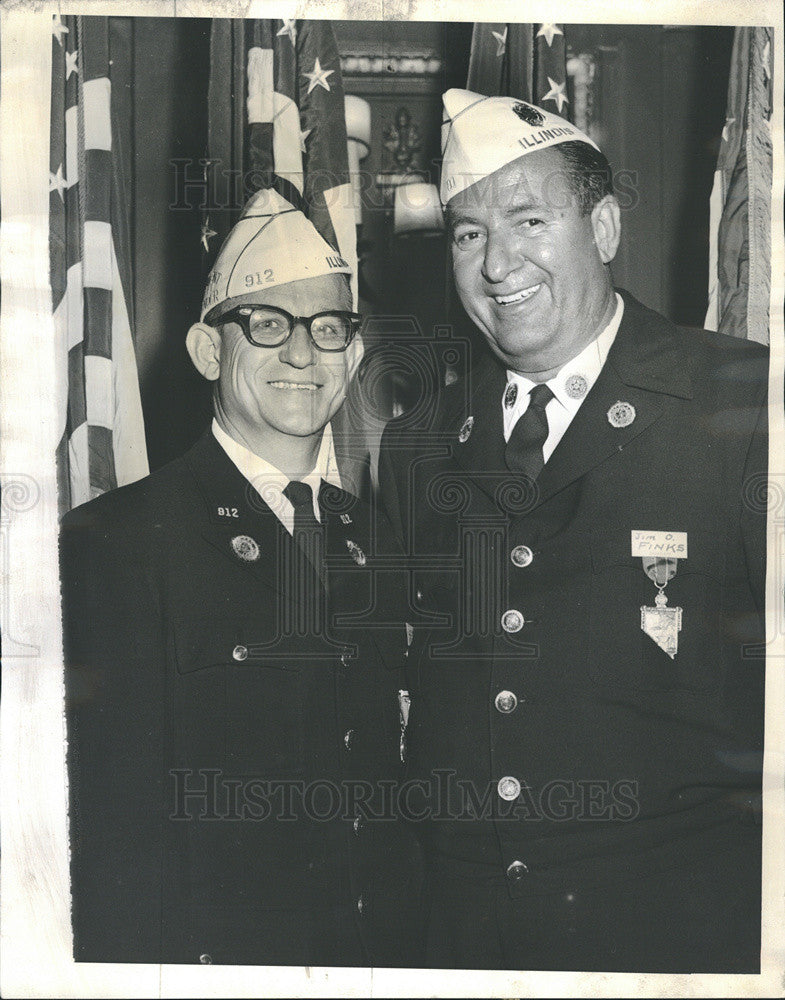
(669, 544)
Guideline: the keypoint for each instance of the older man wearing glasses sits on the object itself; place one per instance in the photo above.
(234, 701)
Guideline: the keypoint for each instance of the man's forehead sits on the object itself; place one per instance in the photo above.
(537, 181)
(302, 297)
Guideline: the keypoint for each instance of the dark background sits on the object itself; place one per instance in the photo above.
(659, 107)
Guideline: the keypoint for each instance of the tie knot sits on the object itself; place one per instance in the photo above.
(540, 396)
(299, 494)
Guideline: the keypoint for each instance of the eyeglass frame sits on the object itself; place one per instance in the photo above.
(241, 314)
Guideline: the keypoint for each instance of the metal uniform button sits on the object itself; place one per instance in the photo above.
(512, 621)
(348, 739)
(506, 702)
(516, 871)
(360, 905)
(521, 556)
(358, 824)
(240, 652)
(205, 960)
(509, 788)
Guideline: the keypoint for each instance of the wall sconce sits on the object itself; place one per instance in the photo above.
(417, 210)
(358, 132)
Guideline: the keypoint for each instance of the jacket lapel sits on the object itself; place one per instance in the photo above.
(481, 425)
(237, 522)
(359, 603)
(647, 367)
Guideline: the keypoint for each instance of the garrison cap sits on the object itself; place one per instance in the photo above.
(483, 134)
(273, 243)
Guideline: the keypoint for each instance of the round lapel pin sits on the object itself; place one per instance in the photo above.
(576, 386)
(621, 414)
(245, 548)
(356, 552)
(510, 395)
(465, 431)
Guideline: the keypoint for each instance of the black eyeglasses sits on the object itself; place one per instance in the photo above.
(265, 326)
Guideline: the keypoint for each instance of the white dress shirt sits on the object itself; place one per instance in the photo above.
(270, 482)
(579, 374)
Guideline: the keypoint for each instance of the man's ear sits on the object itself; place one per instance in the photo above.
(204, 346)
(606, 223)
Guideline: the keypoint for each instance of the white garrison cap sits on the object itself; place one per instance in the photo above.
(483, 134)
(272, 243)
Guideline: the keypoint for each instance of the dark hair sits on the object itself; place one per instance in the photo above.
(589, 173)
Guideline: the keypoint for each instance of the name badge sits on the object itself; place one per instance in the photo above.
(671, 544)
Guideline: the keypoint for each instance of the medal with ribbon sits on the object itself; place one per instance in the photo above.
(659, 552)
(661, 623)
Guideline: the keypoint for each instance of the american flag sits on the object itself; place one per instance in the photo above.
(740, 204)
(277, 119)
(102, 444)
(528, 61)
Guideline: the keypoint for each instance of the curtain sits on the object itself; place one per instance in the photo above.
(103, 442)
(740, 207)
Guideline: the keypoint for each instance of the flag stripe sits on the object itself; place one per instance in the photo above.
(97, 254)
(97, 322)
(73, 302)
(100, 448)
(98, 126)
(77, 404)
(98, 390)
(260, 85)
(97, 194)
(94, 38)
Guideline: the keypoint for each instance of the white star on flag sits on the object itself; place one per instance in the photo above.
(289, 28)
(303, 136)
(556, 93)
(57, 182)
(70, 63)
(728, 123)
(318, 77)
(207, 234)
(58, 29)
(548, 31)
(501, 41)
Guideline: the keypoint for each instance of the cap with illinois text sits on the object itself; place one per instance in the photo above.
(272, 243)
(483, 134)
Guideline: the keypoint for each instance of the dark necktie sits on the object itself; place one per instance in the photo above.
(307, 532)
(524, 449)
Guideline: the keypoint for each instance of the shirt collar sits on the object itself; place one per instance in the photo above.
(269, 482)
(573, 381)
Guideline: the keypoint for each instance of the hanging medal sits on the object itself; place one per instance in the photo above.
(661, 623)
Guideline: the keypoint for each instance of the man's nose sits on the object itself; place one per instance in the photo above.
(299, 350)
(499, 258)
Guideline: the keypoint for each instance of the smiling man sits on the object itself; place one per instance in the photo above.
(585, 513)
(235, 703)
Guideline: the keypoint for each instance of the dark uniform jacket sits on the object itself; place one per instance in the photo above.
(629, 762)
(224, 753)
